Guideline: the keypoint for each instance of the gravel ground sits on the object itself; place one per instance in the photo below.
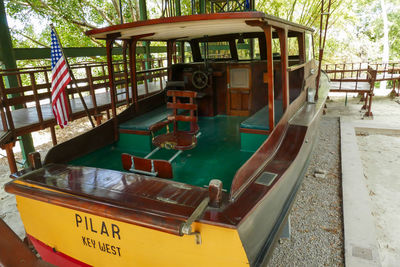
(316, 217)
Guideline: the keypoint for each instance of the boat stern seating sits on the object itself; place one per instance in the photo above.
(255, 129)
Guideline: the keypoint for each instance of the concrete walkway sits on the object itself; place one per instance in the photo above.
(361, 245)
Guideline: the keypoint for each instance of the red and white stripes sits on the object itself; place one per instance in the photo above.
(60, 80)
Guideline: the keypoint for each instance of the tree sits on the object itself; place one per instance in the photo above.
(72, 18)
(385, 54)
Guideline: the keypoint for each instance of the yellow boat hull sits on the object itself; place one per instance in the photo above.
(100, 241)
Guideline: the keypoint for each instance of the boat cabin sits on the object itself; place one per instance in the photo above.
(232, 77)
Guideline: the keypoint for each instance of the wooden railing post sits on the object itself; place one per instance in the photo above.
(6, 106)
(53, 135)
(37, 102)
(132, 64)
(68, 92)
(124, 50)
(146, 85)
(109, 47)
(89, 78)
(10, 157)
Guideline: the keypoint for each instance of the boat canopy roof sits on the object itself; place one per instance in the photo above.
(194, 26)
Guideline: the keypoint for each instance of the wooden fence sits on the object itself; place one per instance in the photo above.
(26, 107)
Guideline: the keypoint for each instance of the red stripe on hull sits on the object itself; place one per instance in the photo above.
(54, 257)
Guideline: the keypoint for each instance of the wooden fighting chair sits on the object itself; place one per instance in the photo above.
(178, 139)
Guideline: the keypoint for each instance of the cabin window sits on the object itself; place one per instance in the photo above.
(257, 52)
(295, 57)
(215, 50)
(188, 53)
(309, 47)
(243, 48)
(276, 49)
(293, 47)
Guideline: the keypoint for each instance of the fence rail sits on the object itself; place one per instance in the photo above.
(361, 77)
(26, 107)
(386, 71)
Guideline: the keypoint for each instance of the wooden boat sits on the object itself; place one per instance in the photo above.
(216, 189)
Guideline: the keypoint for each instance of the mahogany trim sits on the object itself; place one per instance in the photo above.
(254, 131)
(79, 203)
(139, 132)
(270, 76)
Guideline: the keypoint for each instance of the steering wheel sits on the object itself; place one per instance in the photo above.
(199, 79)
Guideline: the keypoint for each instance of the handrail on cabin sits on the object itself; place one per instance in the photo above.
(296, 67)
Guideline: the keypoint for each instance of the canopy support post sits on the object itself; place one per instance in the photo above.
(269, 75)
(132, 63)
(283, 41)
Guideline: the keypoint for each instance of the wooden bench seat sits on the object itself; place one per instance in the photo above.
(255, 129)
(145, 121)
(141, 124)
(259, 120)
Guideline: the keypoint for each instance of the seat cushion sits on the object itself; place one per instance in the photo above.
(259, 120)
(143, 122)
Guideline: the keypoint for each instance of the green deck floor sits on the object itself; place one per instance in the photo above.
(216, 156)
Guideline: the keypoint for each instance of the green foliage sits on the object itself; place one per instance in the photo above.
(354, 34)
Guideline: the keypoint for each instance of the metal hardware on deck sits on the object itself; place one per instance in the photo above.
(167, 200)
(311, 95)
(152, 152)
(179, 152)
(144, 172)
(150, 173)
(175, 155)
(186, 227)
(169, 145)
(266, 178)
(182, 186)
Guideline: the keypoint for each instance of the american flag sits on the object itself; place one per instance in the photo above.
(60, 79)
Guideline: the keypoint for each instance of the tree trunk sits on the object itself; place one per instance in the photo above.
(385, 55)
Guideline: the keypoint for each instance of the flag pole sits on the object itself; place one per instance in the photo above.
(73, 78)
